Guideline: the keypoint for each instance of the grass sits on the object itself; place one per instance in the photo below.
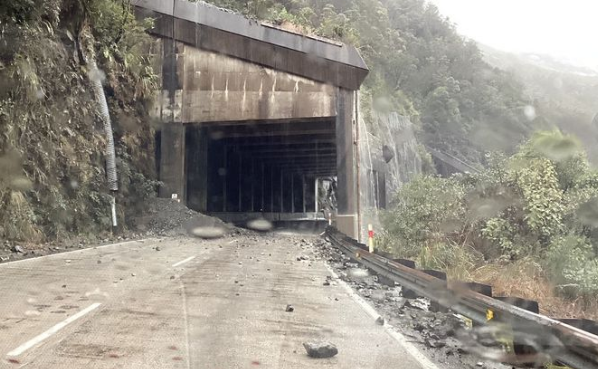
(526, 279)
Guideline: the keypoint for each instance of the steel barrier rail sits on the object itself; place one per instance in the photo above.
(579, 348)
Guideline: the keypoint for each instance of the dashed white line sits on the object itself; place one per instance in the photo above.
(50, 332)
(183, 261)
(402, 340)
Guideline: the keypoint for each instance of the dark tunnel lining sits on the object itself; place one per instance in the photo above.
(258, 167)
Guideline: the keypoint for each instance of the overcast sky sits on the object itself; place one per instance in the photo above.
(563, 28)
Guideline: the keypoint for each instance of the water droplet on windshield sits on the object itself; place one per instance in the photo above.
(261, 225)
(530, 112)
(207, 232)
(32, 313)
(97, 75)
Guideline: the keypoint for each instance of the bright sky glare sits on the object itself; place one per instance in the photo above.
(566, 29)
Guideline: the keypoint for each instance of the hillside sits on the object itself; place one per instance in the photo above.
(564, 95)
(52, 146)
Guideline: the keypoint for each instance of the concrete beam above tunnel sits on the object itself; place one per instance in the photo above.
(281, 140)
(297, 149)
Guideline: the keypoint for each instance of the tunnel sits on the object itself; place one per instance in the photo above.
(245, 169)
(251, 116)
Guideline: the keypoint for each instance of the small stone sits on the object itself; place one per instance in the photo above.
(64, 286)
(289, 309)
(99, 261)
(434, 344)
(133, 274)
(419, 327)
(320, 350)
(172, 277)
(326, 283)
(480, 364)
(18, 249)
(380, 320)
(157, 248)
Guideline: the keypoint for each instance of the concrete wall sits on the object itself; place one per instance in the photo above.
(203, 86)
(346, 148)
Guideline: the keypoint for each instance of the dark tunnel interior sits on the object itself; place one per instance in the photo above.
(258, 167)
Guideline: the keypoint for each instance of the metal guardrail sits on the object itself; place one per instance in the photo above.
(572, 346)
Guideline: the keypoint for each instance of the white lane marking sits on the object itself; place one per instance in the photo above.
(50, 332)
(183, 261)
(402, 340)
(62, 254)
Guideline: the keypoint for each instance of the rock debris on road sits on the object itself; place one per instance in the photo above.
(225, 308)
(221, 309)
(432, 331)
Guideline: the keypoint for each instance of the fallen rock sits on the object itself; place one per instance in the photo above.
(18, 249)
(434, 343)
(418, 303)
(419, 327)
(380, 320)
(320, 350)
(289, 309)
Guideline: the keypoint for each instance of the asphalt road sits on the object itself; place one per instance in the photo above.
(192, 304)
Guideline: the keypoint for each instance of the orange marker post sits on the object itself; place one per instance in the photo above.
(371, 237)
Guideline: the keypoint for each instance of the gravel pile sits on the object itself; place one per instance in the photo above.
(167, 217)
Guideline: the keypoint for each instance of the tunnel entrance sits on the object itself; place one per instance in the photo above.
(269, 168)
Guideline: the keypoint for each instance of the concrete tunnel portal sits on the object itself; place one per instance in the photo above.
(252, 115)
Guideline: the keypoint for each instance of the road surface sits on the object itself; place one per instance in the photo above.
(190, 304)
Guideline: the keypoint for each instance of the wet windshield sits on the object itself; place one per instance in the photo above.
(290, 184)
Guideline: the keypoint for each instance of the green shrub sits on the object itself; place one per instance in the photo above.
(426, 208)
(572, 263)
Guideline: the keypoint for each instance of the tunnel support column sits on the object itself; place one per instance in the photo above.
(197, 168)
(172, 161)
(346, 218)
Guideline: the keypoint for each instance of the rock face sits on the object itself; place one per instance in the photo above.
(389, 157)
(320, 350)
